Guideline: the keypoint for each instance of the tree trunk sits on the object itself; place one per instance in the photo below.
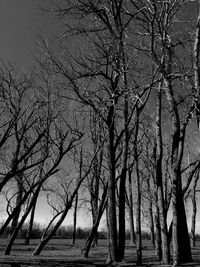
(159, 181)
(151, 224)
(18, 200)
(130, 208)
(8, 220)
(95, 197)
(150, 208)
(194, 210)
(122, 185)
(138, 206)
(93, 232)
(197, 104)
(75, 219)
(158, 236)
(30, 226)
(181, 242)
(121, 242)
(184, 249)
(112, 223)
(47, 236)
(20, 224)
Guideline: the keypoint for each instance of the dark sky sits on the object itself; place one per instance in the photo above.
(20, 22)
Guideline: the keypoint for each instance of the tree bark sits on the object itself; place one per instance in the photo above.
(112, 223)
(75, 219)
(159, 181)
(158, 235)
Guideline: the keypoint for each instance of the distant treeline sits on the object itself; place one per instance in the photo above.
(65, 232)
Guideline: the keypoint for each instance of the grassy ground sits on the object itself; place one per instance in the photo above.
(62, 253)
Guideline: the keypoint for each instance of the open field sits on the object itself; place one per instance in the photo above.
(60, 252)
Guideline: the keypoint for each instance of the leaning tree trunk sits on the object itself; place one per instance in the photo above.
(48, 233)
(47, 236)
(18, 200)
(93, 232)
(21, 222)
(30, 226)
